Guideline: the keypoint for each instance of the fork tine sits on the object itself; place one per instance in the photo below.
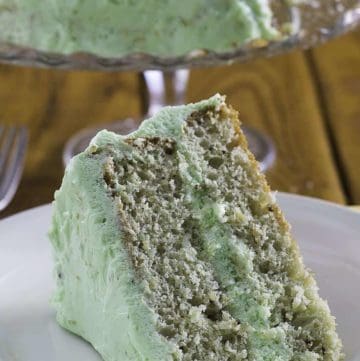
(14, 166)
(6, 146)
(15, 154)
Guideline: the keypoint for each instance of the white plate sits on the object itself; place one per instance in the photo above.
(329, 237)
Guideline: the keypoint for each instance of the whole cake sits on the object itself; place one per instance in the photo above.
(113, 28)
(169, 245)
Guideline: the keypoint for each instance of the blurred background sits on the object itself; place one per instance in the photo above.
(307, 102)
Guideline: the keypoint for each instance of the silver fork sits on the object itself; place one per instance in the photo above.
(13, 143)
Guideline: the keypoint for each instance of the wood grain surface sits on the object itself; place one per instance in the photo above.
(337, 69)
(308, 103)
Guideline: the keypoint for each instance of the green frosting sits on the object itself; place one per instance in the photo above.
(113, 28)
(168, 122)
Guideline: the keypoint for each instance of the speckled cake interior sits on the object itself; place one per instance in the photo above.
(170, 246)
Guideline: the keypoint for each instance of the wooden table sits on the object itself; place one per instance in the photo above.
(308, 102)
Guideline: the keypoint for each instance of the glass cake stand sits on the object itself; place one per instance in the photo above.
(302, 23)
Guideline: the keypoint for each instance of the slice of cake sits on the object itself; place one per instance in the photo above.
(169, 246)
(113, 28)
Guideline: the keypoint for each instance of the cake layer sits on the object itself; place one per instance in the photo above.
(170, 246)
(115, 28)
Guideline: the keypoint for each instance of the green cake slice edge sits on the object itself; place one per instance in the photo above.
(119, 28)
(236, 298)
